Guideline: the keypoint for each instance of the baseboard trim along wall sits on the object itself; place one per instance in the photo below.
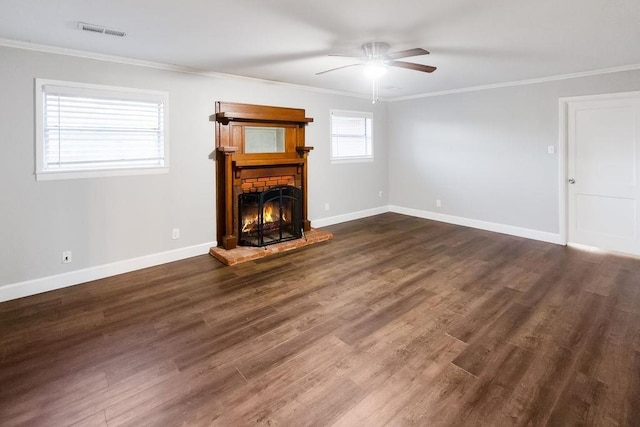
(451, 219)
(50, 283)
(482, 225)
(324, 222)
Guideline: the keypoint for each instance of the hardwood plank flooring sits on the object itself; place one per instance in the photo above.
(397, 321)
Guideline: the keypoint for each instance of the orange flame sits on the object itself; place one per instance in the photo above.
(270, 214)
(267, 213)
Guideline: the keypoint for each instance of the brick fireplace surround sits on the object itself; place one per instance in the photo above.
(240, 172)
(253, 185)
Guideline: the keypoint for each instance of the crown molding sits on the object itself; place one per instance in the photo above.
(611, 70)
(18, 44)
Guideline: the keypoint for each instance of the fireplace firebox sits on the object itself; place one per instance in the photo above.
(270, 216)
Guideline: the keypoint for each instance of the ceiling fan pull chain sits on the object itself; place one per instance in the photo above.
(375, 90)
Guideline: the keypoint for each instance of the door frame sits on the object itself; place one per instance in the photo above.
(563, 150)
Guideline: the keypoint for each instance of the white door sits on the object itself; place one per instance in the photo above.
(603, 159)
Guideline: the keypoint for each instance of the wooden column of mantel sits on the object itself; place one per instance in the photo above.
(304, 152)
(229, 240)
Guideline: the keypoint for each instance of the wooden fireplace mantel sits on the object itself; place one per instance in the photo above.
(234, 112)
(269, 162)
(234, 166)
(227, 117)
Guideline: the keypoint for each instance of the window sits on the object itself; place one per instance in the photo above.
(351, 136)
(87, 130)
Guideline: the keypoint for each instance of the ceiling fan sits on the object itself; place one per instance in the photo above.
(376, 60)
(376, 56)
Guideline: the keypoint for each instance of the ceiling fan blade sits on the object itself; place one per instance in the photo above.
(339, 68)
(412, 66)
(407, 53)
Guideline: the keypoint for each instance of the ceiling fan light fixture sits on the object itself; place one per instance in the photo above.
(375, 69)
(377, 59)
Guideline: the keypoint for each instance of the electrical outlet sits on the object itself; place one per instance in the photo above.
(438, 203)
(551, 149)
(175, 233)
(326, 206)
(380, 193)
(66, 257)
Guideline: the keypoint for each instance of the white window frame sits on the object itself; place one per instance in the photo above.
(99, 91)
(351, 159)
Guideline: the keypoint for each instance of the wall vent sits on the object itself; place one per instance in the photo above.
(100, 29)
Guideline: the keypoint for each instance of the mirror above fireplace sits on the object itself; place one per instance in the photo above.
(263, 139)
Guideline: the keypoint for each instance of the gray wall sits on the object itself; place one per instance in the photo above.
(105, 220)
(484, 153)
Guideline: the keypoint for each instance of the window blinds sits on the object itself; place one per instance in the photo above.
(351, 135)
(85, 131)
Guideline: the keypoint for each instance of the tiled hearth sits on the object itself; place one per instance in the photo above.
(241, 254)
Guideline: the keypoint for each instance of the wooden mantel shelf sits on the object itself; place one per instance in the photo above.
(226, 117)
(304, 149)
(227, 149)
(269, 162)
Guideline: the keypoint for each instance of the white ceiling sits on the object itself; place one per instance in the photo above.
(472, 42)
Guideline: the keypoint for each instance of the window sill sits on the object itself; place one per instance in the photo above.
(81, 174)
(352, 160)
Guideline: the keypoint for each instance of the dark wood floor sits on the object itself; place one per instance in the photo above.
(397, 321)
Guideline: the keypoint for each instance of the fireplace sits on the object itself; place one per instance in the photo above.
(261, 182)
(261, 174)
(270, 216)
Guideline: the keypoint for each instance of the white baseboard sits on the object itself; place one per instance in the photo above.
(45, 284)
(483, 225)
(323, 222)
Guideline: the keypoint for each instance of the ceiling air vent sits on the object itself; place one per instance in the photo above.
(99, 29)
